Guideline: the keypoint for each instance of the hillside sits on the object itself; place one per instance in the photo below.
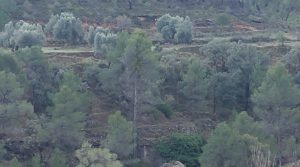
(142, 83)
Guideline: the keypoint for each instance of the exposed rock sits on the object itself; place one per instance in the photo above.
(173, 164)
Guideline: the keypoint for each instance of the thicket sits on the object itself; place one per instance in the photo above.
(22, 34)
(185, 148)
(66, 27)
(176, 29)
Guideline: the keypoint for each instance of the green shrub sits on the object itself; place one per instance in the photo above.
(175, 29)
(92, 33)
(22, 34)
(104, 42)
(185, 148)
(184, 31)
(66, 27)
(223, 20)
(165, 109)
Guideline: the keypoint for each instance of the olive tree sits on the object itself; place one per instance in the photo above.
(176, 29)
(66, 27)
(104, 42)
(22, 34)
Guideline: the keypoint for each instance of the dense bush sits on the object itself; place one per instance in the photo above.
(184, 31)
(223, 20)
(175, 29)
(103, 42)
(90, 38)
(165, 109)
(185, 148)
(22, 34)
(66, 27)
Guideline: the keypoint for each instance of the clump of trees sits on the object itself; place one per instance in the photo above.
(175, 29)
(22, 34)
(101, 157)
(66, 27)
(102, 39)
(120, 138)
(182, 147)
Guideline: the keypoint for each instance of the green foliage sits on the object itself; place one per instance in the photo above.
(292, 60)
(223, 20)
(276, 104)
(15, 163)
(10, 89)
(120, 137)
(38, 79)
(225, 148)
(104, 42)
(3, 19)
(22, 34)
(96, 157)
(281, 38)
(51, 23)
(175, 28)
(8, 62)
(141, 75)
(250, 66)
(6, 10)
(165, 109)
(68, 113)
(66, 27)
(92, 33)
(57, 159)
(7, 34)
(185, 148)
(184, 31)
(27, 35)
(17, 120)
(195, 82)
(36, 161)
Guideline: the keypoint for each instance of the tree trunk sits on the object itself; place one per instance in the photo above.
(135, 103)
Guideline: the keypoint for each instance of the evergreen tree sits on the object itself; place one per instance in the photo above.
(140, 77)
(65, 128)
(249, 65)
(277, 105)
(15, 163)
(195, 82)
(120, 136)
(57, 159)
(38, 81)
(226, 148)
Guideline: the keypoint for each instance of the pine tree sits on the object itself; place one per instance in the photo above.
(65, 128)
(276, 103)
(120, 136)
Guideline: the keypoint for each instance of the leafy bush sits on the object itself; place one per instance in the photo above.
(92, 33)
(184, 31)
(176, 29)
(165, 109)
(223, 20)
(185, 148)
(103, 42)
(22, 34)
(66, 27)
(8, 62)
